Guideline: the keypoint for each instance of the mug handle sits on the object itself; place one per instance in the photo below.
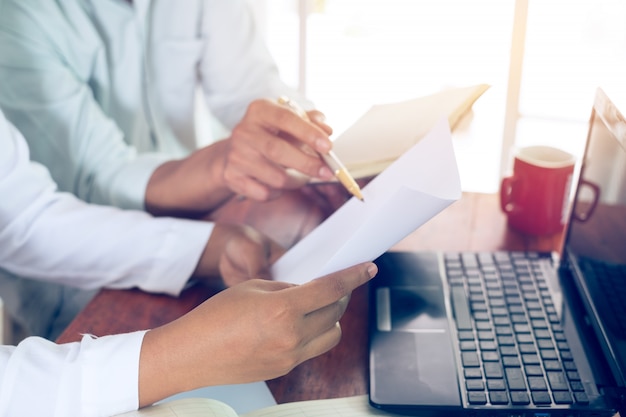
(583, 217)
(506, 188)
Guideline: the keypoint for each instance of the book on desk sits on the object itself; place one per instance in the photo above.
(386, 131)
(356, 406)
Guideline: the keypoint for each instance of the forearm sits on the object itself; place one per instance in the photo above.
(189, 186)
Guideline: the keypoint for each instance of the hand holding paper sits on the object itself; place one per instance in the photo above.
(417, 186)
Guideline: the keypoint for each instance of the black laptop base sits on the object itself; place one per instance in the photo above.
(458, 347)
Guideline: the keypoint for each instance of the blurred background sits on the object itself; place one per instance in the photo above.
(542, 58)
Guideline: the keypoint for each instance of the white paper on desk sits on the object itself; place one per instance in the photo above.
(417, 186)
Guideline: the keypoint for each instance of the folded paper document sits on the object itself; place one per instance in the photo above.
(386, 131)
(410, 191)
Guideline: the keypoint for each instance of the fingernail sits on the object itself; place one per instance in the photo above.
(319, 117)
(322, 145)
(372, 270)
(325, 172)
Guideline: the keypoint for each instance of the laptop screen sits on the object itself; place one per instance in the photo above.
(595, 246)
(598, 224)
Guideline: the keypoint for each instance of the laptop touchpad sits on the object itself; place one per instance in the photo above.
(414, 346)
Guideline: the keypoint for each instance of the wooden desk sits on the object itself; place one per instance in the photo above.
(472, 223)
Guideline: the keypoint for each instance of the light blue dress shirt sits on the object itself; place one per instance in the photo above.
(105, 91)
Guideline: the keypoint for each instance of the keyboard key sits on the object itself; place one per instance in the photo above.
(485, 335)
(537, 383)
(501, 321)
(477, 398)
(530, 359)
(541, 397)
(573, 376)
(487, 345)
(569, 365)
(496, 385)
(461, 308)
(520, 397)
(527, 348)
(475, 385)
(493, 370)
(548, 354)
(511, 362)
(508, 350)
(521, 328)
(506, 341)
(498, 397)
(576, 386)
(490, 356)
(504, 330)
(470, 359)
(562, 397)
(557, 381)
(545, 344)
(515, 379)
(466, 335)
(473, 373)
(481, 316)
(533, 370)
(552, 365)
(518, 318)
(581, 398)
(467, 345)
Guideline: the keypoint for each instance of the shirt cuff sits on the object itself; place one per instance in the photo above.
(131, 181)
(184, 242)
(110, 373)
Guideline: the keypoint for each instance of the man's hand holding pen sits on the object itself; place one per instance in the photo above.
(273, 148)
(331, 159)
(270, 146)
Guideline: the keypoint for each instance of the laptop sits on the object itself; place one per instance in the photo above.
(514, 333)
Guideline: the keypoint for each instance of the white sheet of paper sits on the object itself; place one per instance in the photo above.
(417, 186)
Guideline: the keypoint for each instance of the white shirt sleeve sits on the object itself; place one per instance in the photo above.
(93, 377)
(53, 236)
(241, 69)
(61, 100)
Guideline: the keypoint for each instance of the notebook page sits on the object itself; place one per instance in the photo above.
(188, 407)
(357, 406)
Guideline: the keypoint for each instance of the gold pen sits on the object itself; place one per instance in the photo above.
(340, 171)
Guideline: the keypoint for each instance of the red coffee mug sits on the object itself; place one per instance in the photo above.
(535, 197)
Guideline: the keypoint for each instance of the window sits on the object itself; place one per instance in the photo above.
(543, 60)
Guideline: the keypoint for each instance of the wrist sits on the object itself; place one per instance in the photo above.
(191, 186)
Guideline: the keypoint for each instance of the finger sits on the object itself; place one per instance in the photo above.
(284, 151)
(262, 160)
(319, 321)
(319, 119)
(238, 174)
(248, 257)
(328, 289)
(322, 343)
(284, 119)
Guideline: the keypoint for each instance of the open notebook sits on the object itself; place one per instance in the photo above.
(387, 131)
(203, 407)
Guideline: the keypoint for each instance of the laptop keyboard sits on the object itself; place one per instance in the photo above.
(513, 349)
